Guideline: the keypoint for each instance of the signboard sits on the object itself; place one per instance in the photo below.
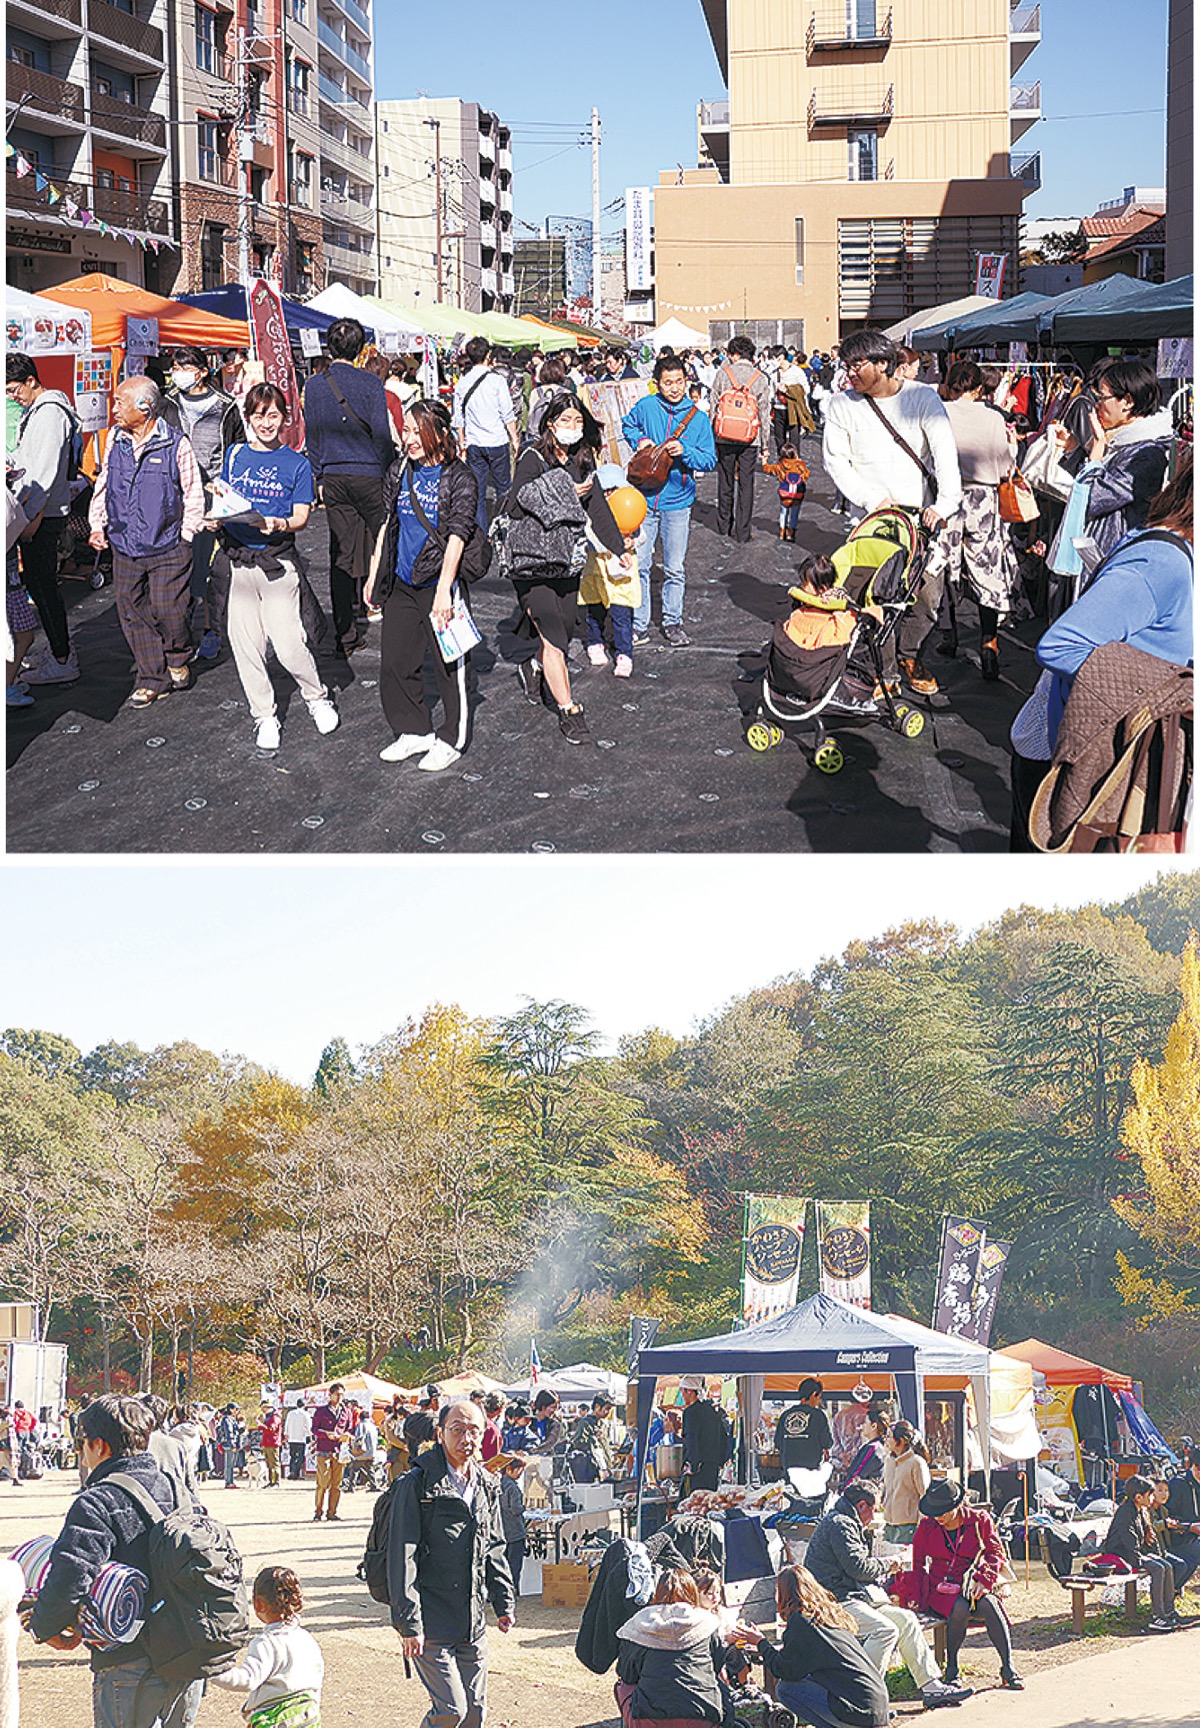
(271, 1392)
(46, 332)
(310, 343)
(772, 1246)
(1175, 357)
(638, 239)
(610, 403)
(273, 351)
(22, 240)
(989, 274)
(93, 382)
(844, 1251)
(141, 336)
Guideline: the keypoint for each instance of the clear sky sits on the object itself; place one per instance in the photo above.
(272, 960)
(645, 66)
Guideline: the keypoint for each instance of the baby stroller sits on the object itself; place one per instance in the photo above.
(880, 565)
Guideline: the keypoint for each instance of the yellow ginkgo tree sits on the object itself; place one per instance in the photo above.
(1161, 1129)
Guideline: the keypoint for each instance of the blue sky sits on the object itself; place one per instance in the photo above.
(542, 67)
(254, 957)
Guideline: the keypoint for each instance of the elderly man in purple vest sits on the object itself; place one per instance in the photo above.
(149, 505)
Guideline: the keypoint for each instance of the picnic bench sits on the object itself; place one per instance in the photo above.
(1080, 1589)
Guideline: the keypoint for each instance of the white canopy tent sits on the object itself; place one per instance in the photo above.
(903, 329)
(577, 1384)
(342, 302)
(676, 334)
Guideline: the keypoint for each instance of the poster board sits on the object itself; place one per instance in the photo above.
(310, 343)
(1176, 357)
(141, 336)
(93, 385)
(610, 403)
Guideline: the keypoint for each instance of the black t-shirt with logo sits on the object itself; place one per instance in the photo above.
(802, 1437)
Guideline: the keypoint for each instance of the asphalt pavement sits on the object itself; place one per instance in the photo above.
(669, 769)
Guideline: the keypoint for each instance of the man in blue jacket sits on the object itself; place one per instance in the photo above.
(660, 420)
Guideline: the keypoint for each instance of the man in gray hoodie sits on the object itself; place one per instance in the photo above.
(43, 459)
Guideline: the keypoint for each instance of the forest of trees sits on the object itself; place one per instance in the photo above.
(175, 1210)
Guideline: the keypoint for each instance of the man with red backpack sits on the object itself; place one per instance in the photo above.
(741, 398)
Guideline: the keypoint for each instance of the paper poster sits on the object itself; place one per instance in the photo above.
(310, 343)
(774, 1242)
(989, 274)
(844, 1250)
(141, 335)
(93, 381)
(44, 332)
(610, 403)
(1175, 357)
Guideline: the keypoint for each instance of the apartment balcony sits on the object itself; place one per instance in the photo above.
(712, 127)
(1024, 108)
(345, 156)
(838, 29)
(340, 207)
(865, 107)
(338, 46)
(1027, 169)
(352, 108)
(256, 142)
(57, 105)
(487, 234)
(504, 197)
(53, 20)
(109, 203)
(355, 13)
(1024, 34)
(343, 260)
(128, 122)
(487, 148)
(489, 281)
(116, 27)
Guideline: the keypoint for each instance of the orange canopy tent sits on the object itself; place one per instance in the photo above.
(111, 301)
(1060, 1368)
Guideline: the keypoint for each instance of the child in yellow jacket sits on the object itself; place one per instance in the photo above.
(611, 588)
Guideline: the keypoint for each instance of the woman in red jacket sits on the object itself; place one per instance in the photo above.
(957, 1560)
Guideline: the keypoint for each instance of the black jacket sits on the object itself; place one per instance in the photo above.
(271, 560)
(1131, 1535)
(103, 1523)
(835, 1660)
(704, 1437)
(233, 430)
(1183, 1501)
(446, 1560)
(624, 1568)
(458, 500)
(531, 465)
(839, 1554)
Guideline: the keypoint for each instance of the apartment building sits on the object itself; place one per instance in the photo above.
(445, 205)
(864, 157)
(88, 109)
(346, 107)
(540, 276)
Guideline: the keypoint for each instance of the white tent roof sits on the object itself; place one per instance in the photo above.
(676, 334)
(48, 326)
(342, 302)
(901, 331)
(578, 1383)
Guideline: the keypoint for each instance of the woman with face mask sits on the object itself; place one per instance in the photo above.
(545, 527)
(212, 420)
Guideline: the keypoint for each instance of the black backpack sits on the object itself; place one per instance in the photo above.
(372, 1568)
(730, 1443)
(197, 1606)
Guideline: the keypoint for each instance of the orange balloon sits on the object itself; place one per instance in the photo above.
(628, 506)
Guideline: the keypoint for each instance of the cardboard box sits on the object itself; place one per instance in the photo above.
(565, 1585)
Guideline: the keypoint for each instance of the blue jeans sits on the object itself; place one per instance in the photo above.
(674, 527)
(228, 1461)
(809, 1702)
(128, 1695)
(622, 626)
(494, 460)
(1187, 1549)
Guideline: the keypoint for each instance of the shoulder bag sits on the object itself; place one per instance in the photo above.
(1017, 502)
(477, 551)
(650, 469)
(347, 404)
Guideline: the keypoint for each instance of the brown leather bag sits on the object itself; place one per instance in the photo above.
(650, 468)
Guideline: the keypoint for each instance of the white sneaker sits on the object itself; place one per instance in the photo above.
(596, 654)
(48, 670)
(623, 667)
(267, 733)
(408, 744)
(442, 755)
(325, 716)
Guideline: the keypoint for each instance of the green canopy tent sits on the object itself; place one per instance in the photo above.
(1166, 309)
(445, 322)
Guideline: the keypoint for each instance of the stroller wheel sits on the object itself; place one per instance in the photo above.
(96, 579)
(912, 724)
(829, 759)
(776, 734)
(759, 735)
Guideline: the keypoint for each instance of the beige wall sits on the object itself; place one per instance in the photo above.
(1180, 234)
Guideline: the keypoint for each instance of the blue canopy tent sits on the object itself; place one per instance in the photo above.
(229, 301)
(958, 332)
(1166, 309)
(821, 1335)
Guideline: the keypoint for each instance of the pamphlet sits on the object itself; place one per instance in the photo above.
(460, 634)
(228, 505)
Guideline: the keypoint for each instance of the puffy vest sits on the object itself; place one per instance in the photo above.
(144, 494)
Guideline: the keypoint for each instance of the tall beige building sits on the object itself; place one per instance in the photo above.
(865, 156)
(462, 153)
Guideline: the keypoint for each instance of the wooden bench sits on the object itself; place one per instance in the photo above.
(935, 1624)
(1080, 1589)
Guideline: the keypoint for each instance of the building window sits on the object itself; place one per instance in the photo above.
(260, 184)
(209, 139)
(212, 256)
(298, 74)
(22, 56)
(864, 154)
(799, 251)
(261, 254)
(304, 267)
(860, 19)
(206, 40)
(302, 179)
(299, 10)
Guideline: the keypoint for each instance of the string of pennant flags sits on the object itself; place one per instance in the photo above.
(720, 306)
(72, 209)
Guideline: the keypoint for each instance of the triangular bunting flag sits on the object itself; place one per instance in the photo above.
(70, 209)
(85, 216)
(9, 149)
(40, 181)
(103, 227)
(55, 194)
(22, 167)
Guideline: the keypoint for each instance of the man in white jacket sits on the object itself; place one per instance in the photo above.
(43, 461)
(890, 442)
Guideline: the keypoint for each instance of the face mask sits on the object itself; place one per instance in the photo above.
(184, 380)
(567, 438)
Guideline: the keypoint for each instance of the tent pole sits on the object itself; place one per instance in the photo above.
(1025, 1484)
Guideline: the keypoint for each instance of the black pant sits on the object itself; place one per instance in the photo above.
(407, 641)
(295, 1460)
(39, 566)
(515, 1552)
(704, 1475)
(1027, 776)
(735, 468)
(354, 506)
(990, 1611)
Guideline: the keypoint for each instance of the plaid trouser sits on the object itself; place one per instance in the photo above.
(152, 604)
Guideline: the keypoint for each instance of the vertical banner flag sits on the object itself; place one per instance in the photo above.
(844, 1250)
(273, 348)
(953, 1305)
(989, 274)
(993, 1258)
(535, 1366)
(637, 239)
(772, 1245)
(642, 1333)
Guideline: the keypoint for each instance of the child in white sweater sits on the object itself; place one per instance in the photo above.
(282, 1668)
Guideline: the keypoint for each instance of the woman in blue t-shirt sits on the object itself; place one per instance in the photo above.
(265, 578)
(430, 500)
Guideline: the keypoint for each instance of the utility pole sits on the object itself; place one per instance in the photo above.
(243, 158)
(595, 216)
(437, 213)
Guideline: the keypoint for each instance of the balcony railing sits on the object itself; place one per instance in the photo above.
(117, 26)
(1025, 21)
(354, 11)
(345, 156)
(713, 116)
(1027, 169)
(109, 203)
(831, 32)
(339, 46)
(865, 107)
(43, 93)
(342, 98)
(1025, 99)
(110, 114)
(69, 10)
